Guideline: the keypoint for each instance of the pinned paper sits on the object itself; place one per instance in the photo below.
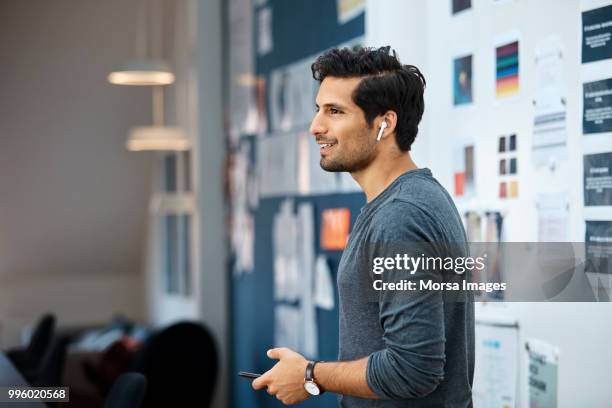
(507, 66)
(464, 169)
(497, 350)
(324, 287)
(543, 374)
(335, 224)
(549, 102)
(462, 80)
(265, 42)
(553, 217)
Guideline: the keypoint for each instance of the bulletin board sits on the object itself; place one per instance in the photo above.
(271, 103)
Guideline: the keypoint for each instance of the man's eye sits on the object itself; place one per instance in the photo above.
(334, 111)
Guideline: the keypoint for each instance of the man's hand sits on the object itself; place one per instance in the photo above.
(286, 379)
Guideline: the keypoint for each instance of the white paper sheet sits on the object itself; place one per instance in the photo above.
(324, 286)
(496, 374)
(294, 262)
(265, 40)
(553, 217)
(285, 250)
(243, 107)
(550, 100)
(242, 233)
(286, 326)
(277, 165)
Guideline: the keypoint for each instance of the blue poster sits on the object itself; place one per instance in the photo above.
(597, 34)
(597, 106)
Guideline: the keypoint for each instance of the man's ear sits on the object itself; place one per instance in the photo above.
(391, 118)
(387, 124)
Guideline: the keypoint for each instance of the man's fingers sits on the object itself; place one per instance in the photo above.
(256, 384)
(277, 353)
(260, 382)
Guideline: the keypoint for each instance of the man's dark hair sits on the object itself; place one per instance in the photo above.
(387, 85)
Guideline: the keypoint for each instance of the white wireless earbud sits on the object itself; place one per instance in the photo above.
(383, 126)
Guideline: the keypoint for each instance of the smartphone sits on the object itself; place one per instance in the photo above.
(245, 374)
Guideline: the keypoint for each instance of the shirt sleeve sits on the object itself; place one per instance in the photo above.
(411, 365)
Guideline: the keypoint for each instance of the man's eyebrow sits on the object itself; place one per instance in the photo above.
(332, 105)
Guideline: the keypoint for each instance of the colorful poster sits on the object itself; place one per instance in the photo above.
(462, 80)
(461, 5)
(464, 170)
(598, 179)
(507, 70)
(597, 34)
(597, 106)
(335, 225)
(508, 166)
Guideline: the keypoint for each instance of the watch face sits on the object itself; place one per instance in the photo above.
(311, 388)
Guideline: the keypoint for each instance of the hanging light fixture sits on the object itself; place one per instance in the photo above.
(151, 70)
(143, 72)
(148, 68)
(158, 136)
(145, 138)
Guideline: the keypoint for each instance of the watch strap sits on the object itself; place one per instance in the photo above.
(309, 375)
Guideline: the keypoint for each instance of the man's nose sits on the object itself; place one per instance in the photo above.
(316, 126)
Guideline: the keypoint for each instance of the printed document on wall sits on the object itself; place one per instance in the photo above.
(550, 100)
(553, 217)
(285, 250)
(542, 374)
(496, 374)
(324, 285)
(277, 165)
(596, 30)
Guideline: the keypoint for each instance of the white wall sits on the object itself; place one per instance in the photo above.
(72, 199)
(425, 34)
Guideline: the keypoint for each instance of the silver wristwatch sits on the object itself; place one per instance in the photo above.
(310, 385)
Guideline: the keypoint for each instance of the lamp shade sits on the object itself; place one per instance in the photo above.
(157, 138)
(142, 72)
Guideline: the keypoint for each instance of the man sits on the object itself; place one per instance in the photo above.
(397, 349)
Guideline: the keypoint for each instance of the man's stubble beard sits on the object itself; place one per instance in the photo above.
(359, 161)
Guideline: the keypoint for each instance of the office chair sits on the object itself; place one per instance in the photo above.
(127, 391)
(28, 359)
(180, 364)
(51, 369)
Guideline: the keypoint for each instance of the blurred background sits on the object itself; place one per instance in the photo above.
(162, 209)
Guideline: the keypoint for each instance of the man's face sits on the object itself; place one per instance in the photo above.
(346, 142)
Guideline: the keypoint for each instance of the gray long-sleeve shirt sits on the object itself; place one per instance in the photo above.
(420, 343)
